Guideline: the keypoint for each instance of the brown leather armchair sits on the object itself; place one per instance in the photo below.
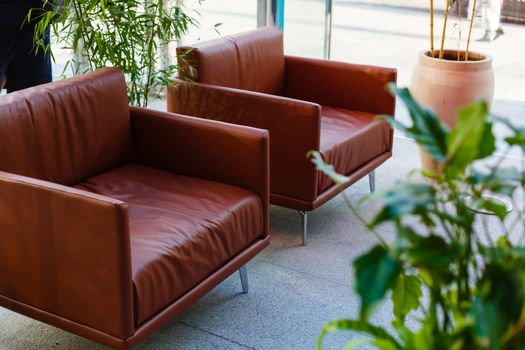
(113, 219)
(306, 104)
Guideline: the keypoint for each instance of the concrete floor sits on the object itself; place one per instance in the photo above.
(294, 289)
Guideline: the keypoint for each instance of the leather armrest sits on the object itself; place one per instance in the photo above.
(294, 127)
(338, 84)
(230, 154)
(66, 252)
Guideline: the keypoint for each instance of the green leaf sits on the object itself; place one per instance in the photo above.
(465, 142)
(497, 306)
(426, 128)
(355, 343)
(405, 198)
(431, 251)
(435, 255)
(518, 138)
(424, 339)
(495, 207)
(376, 272)
(504, 253)
(405, 295)
(358, 326)
(129, 35)
(383, 344)
(327, 169)
(501, 180)
(488, 142)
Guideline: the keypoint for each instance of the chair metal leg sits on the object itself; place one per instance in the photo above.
(372, 181)
(304, 216)
(243, 272)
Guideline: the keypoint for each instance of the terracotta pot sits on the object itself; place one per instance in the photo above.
(445, 85)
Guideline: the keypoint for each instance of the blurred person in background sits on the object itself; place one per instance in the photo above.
(20, 67)
(490, 13)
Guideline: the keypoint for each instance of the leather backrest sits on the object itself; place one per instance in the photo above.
(68, 130)
(252, 60)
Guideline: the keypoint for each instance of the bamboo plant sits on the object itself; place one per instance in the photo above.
(129, 34)
(449, 4)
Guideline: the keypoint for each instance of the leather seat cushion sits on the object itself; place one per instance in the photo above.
(349, 140)
(182, 229)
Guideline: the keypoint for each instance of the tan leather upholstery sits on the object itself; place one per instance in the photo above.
(66, 131)
(320, 105)
(350, 139)
(280, 116)
(115, 219)
(342, 85)
(181, 229)
(66, 252)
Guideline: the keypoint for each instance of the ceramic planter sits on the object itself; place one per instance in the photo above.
(445, 85)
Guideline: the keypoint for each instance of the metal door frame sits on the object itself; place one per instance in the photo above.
(271, 12)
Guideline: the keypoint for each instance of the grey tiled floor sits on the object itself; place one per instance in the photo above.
(294, 289)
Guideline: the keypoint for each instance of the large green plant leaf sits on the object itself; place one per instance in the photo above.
(431, 251)
(358, 326)
(405, 295)
(498, 305)
(424, 339)
(518, 136)
(491, 206)
(434, 255)
(426, 128)
(471, 139)
(502, 180)
(376, 272)
(405, 198)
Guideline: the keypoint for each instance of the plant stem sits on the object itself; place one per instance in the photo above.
(432, 28)
(470, 29)
(441, 51)
(363, 221)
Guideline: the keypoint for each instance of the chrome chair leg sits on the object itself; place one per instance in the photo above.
(372, 181)
(243, 272)
(304, 221)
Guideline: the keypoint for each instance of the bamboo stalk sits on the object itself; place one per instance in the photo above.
(441, 51)
(458, 7)
(470, 29)
(432, 28)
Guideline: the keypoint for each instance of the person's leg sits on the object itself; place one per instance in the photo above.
(492, 20)
(26, 68)
(493, 15)
(8, 37)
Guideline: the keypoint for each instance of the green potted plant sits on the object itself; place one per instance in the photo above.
(459, 281)
(129, 34)
(445, 80)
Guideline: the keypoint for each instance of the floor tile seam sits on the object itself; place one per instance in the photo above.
(335, 281)
(217, 335)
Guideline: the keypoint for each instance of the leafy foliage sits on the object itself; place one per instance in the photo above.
(376, 273)
(128, 34)
(465, 282)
